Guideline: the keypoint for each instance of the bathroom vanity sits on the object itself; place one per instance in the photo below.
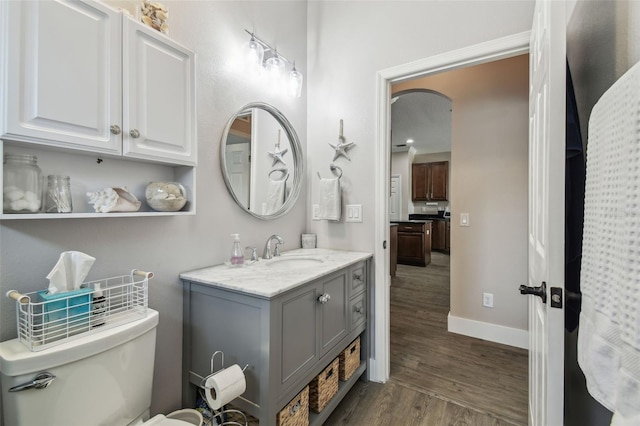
(286, 318)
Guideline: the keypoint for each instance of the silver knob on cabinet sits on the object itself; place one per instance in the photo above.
(135, 133)
(115, 129)
(324, 298)
(359, 310)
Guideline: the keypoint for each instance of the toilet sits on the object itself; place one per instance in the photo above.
(104, 378)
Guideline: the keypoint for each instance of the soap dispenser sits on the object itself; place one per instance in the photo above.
(237, 255)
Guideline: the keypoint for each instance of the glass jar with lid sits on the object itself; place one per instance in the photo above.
(22, 184)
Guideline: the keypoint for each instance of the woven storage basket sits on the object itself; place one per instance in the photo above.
(296, 413)
(323, 387)
(349, 360)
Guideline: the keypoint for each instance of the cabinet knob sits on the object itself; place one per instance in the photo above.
(324, 298)
(359, 309)
(134, 133)
(115, 129)
(357, 276)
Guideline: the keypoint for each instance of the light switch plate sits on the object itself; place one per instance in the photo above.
(464, 219)
(315, 215)
(354, 213)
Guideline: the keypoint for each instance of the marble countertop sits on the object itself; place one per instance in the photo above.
(261, 278)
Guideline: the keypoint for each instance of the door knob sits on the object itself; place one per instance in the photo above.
(540, 291)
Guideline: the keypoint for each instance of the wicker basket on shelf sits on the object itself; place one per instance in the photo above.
(323, 387)
(296, 412)
(349, 360)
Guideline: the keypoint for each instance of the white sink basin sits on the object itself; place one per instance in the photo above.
(289, 263)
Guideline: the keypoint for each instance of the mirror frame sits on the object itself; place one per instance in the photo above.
(296, 152)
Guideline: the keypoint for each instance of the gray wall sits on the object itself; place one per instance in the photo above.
(603, 42)
(170, 245)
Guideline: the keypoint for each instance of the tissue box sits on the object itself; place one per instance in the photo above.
(64, 314)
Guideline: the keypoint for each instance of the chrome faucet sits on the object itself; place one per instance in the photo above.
(267, 247)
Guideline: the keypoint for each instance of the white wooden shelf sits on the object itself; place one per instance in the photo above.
(87, 174)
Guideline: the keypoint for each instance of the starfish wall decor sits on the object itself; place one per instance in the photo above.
(277, 154)
(342, 147)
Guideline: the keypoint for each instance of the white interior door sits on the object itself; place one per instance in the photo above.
(395, 200)
(239, 170)
(546, 211)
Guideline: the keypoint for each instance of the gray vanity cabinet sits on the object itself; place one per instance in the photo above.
(314, 319)
(286, 340)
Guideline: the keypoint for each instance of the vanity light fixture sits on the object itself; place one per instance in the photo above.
(275, 64)
(254, 53)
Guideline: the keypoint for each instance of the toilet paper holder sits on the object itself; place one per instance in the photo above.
(214, 371)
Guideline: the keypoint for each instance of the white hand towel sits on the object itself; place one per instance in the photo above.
(609, 333)
(275, 196)
(330, 199)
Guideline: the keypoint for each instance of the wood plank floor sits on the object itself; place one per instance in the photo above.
(437, 377)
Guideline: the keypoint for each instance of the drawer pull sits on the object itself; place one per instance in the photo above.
(357, 276)
(324, 298)
(295, 408)
(359, 309)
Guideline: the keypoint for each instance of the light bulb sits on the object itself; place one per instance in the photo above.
(295, 82)
(275, 65)
(254, 54)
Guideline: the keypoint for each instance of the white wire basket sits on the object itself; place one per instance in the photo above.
(45, 320)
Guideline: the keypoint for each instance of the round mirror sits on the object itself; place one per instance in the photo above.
(261, 161)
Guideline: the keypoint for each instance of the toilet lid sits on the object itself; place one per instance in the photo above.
(161, 420)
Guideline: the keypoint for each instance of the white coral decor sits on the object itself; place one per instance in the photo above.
(113, 200)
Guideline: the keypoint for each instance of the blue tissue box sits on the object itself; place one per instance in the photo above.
(65, 313)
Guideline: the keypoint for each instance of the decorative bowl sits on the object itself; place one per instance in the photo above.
(166, 196)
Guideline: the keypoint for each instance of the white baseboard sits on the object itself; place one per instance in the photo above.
(487, 331)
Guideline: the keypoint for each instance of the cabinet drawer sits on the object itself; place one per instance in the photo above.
(358, 310)
(357, 280)
(411, 227)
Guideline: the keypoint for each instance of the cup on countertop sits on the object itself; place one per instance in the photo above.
(309, 241)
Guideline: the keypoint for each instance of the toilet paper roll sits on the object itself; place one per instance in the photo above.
(224, 386)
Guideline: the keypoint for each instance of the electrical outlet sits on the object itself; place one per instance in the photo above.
(487, 300)
(315, 215)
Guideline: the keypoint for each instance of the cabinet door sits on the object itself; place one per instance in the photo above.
(299, 325)
(419, 175)
(333, 313)
(159, 97)
(63, 83)
(411, 248)
(438, 186)
(447, 240)
(438, 235)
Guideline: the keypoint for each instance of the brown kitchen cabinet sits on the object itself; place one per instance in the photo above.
(393, 253)
(429, 181)
(447, 240)
(438, 236)
(414, 243)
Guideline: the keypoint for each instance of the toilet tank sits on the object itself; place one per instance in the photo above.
(103, 378)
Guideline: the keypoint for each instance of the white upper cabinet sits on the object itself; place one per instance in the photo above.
(81, 75)
(64, 74)
(159, 96)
